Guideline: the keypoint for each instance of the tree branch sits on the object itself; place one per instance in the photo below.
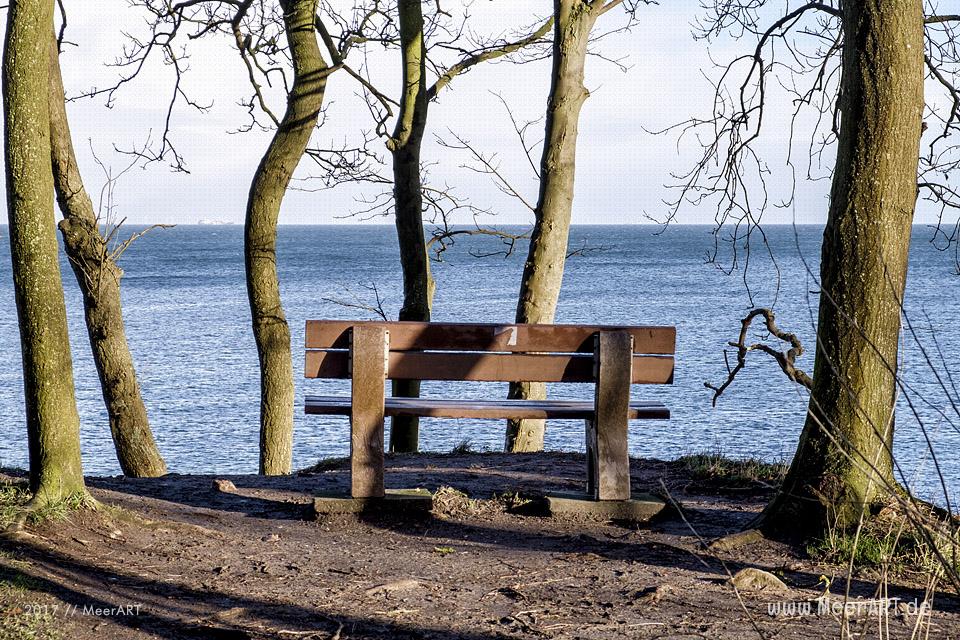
(487, 54)
(785, 359)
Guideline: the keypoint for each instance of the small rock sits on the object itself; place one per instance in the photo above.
(653, 595)
(224, 486)
(390, 587)
(735, 540)
(273, 537)
(751, 579)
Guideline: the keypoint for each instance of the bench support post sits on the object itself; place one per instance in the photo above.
(368, 373)
(608, 462)
(592, 477)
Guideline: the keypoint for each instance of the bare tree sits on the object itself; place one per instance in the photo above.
(845, 456)
(863, 82)
(98, 276)
(304, 100)
(273, 40)
(408, 184)
(422, 40)
(53, 424)
(543, 270)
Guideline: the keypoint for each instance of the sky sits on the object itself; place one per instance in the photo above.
(622, 166)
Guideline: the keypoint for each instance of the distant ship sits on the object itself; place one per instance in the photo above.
(208, 221)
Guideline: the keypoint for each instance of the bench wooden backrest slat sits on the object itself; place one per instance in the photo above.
(512, 338)
(490, 367)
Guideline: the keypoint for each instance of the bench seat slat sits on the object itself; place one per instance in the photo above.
(494, 409)
(465, 336)
(489, 367)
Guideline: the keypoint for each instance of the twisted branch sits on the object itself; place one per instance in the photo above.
(786, 359)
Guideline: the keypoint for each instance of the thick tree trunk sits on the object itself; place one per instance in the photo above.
(408, 202)
(543, 270)
(99, 279)
(260, 236)
(53, 425)
(843, 462)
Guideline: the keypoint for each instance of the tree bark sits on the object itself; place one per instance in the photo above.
(53, 425)
(543, 270)
(404, 147)
(260, 235)
(844, 458)
(99, 279)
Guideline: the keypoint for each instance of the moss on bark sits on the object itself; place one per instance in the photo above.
(844, 460)
(53, 425)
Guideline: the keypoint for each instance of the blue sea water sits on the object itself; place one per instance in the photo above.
(188, 325)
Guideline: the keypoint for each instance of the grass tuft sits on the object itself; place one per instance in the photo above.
(13, 500)
(716, 470)
(15, 506)
(463, 448)
(899, 542)
(60, 510)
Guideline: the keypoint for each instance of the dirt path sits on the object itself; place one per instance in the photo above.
(177, 558)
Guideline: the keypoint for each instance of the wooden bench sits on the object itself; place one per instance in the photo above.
(369, 353)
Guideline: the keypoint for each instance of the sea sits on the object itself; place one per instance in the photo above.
(188, 325)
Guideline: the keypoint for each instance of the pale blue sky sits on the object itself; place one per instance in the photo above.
(621, 167)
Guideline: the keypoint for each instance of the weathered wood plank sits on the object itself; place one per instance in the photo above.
(480, 409)
(369, 348)
(612, 461)
(490, 367)
(513, 338)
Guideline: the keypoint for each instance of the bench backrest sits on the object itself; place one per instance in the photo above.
(488, 352)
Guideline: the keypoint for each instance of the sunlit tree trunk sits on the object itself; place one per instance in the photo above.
(843, 461)
(53, 425)
(543, 270)
(99, 279)
(260, 235)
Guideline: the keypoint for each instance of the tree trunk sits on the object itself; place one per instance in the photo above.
(53, 425)
(404, 147)
(543, 270)
(260, 235)
(99, 279)
(844, 459)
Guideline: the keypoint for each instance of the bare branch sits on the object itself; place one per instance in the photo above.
(487, 53)
(941, 19)
(356, 303)
(786, 359)
(487, 164)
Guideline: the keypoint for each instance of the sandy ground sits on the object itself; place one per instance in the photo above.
(176, 557)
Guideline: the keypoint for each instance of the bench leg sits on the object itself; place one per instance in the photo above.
(368, 376)
(593, 480)
(614, 354)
